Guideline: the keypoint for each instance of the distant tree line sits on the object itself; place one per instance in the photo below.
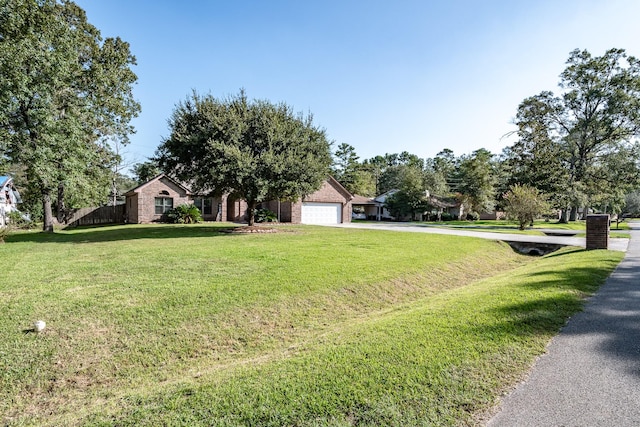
(578, 148)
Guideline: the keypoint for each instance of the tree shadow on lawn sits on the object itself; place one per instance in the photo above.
(611, 316)
(122, 233)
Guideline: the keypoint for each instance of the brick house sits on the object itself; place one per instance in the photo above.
(149, 202)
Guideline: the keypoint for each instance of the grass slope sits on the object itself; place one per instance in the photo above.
(180, 325)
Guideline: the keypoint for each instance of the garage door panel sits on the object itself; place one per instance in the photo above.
(321, 213)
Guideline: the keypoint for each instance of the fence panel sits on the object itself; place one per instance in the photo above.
(97, 216)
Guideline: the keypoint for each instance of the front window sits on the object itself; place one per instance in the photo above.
(163, 205)
(205, 206)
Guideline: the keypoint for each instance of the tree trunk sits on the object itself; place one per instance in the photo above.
(60, 204)
(563, 216)
(114, 192)
(251, 211)
(573, 215)
(47, 226)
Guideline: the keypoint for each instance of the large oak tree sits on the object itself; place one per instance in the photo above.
(589, 130)
(254, 149)
(65, 95)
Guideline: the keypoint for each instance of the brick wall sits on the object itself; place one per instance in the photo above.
(216, 202)
(236, 210)
(224, 208)
(281, 209)
(327, 193)
(597, 231)
(146, 195)
(131, 212)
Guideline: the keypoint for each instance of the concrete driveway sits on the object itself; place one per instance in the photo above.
(617, 244)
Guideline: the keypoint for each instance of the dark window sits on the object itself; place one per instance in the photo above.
(163, 204)
(205, 206)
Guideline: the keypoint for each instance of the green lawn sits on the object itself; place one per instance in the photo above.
(188, 325)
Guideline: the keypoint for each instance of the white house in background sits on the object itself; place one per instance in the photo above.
(383, 213)
(373, 208)
(9, 198)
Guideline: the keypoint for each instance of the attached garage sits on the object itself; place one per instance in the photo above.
(321, 213)
(330, 204)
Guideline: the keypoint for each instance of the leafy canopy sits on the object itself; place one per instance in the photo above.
(583, 142)
(524, 204)
(64, 94)
(255, 150)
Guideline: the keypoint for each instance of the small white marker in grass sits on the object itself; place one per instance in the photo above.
(39, 325)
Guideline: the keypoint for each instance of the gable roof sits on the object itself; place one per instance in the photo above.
(383, 197)
(334, 182)
(154, 179)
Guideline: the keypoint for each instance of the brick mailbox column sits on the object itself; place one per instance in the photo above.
(597, 231)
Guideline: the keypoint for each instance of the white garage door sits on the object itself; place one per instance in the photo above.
(321, 213)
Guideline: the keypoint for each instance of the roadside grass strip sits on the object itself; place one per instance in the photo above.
(442, 360)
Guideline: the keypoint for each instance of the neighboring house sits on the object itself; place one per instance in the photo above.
(150, 201)
(365, 206)
(449, 205)
(9, 198)
(374, 208)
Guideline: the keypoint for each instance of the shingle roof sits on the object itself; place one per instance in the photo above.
(155, 178)
(362, 200)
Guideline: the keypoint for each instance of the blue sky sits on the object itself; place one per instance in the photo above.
(382, 76)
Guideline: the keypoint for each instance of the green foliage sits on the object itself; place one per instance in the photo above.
(476, 181)
(184, 214)
(581, 144)
(632, 204)
(4, 233)
(64, 95)
(396, 167)
(145, 171)
(16, 220)
(123, 183)
(255, 149)
(265, 215)
(524, 204)
(406, 176)
(473, 216)
(345, 162)
(446, 216)
(356, 177)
